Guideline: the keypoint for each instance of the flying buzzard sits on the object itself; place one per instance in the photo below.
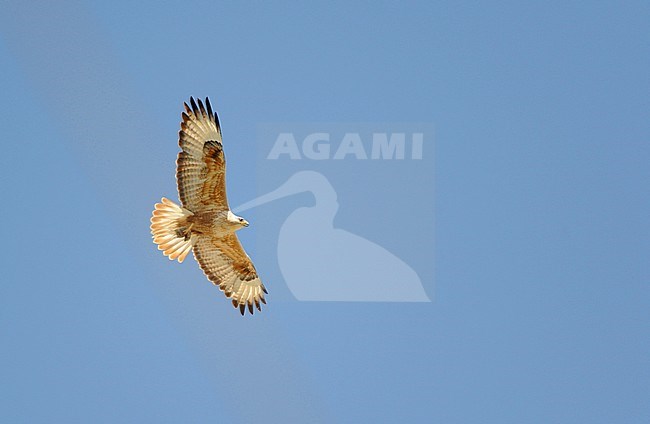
(205, 223)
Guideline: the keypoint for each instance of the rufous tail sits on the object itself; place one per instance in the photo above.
(170, 230)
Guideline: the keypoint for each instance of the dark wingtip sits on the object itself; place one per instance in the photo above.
(209, 106)
(263, 300)
(201, 108)
(242, 308)
(193, 103)
(264, 289)
(250, 308)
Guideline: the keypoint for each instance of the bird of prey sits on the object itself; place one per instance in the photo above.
(204, 223)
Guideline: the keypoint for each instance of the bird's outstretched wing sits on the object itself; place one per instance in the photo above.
(226, 264)
(201, 164)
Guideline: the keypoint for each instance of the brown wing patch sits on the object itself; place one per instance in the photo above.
(213, 191)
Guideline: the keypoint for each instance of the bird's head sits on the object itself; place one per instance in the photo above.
(237, 221)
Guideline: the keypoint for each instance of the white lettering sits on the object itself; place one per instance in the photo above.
(318, 146)
(416, 145)
(385, 148)
(351, 145)
(319, 151)
(285, 144)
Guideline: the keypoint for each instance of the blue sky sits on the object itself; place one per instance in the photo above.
(540, 306)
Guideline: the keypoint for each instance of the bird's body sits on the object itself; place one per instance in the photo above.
(205, 224)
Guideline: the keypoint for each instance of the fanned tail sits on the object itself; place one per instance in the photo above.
(170, 231)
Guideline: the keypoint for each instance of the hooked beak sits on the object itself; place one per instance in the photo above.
(245, 223)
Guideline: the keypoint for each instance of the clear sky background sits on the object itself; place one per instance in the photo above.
(541, 305)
